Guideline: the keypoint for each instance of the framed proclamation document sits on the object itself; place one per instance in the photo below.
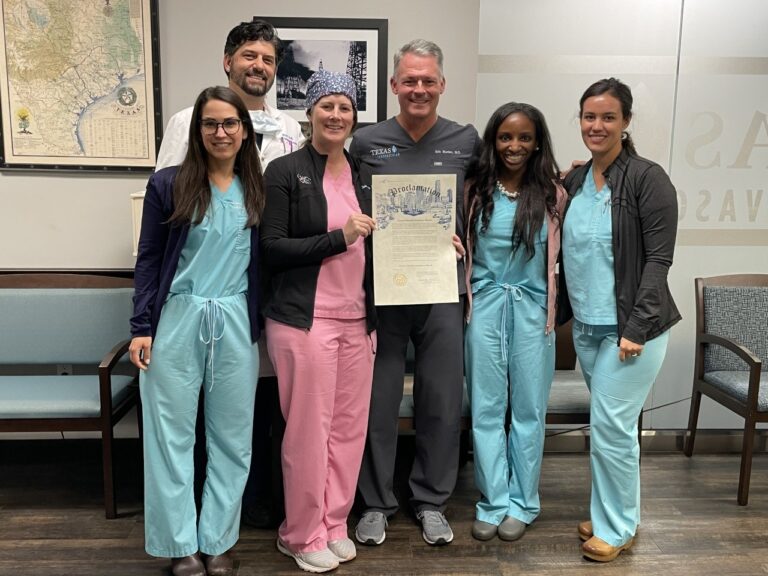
(414, 261)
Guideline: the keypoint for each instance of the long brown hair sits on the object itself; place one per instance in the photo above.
(192, 189)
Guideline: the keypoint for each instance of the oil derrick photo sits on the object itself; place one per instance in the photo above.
(304, 57)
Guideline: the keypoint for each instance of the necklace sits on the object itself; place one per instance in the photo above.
(504, 192)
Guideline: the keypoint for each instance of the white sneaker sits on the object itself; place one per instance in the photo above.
(344, 549)
(317, 561)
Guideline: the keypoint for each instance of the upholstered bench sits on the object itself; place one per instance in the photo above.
(568, 399)
(51, 320)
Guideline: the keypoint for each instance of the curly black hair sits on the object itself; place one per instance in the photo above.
(251, 32)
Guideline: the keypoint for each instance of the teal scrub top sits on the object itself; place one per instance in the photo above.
(493, 261)
(588, 254)
(214, 261)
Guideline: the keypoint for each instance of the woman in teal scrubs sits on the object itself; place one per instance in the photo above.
(195, 317)
(618, 241)
(513, 238)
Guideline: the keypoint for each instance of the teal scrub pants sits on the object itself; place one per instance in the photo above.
(199, 341)
(510, 361)
(618, 391)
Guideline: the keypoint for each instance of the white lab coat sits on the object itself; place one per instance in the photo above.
(176, 138)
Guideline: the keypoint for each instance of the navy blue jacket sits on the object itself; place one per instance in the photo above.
(160, 246)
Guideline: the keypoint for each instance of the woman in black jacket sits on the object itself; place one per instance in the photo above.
(316, 241)
(618, 242)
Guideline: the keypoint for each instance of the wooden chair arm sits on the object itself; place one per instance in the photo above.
(754, 363)
(741, 351)
(112, 357)
(105, 376)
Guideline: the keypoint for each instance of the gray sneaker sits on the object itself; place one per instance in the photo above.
(436, 530)
(372, 528)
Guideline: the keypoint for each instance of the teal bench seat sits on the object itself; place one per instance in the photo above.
(57, 396)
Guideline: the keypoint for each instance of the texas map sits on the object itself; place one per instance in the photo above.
(75, 88)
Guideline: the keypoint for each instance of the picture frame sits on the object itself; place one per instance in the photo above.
(357, 46)
(94, 107)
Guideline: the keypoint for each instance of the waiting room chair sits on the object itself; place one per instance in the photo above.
(731, 354)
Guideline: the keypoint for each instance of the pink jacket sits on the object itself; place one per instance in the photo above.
(553, 249)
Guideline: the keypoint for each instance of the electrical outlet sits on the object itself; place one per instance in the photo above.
(64, 369)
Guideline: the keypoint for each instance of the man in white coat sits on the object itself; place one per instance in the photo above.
(252, 53)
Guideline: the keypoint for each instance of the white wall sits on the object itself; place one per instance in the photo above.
(545, 53)
(55, 221)
(699, 75)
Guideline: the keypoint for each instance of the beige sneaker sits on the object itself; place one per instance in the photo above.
(344, 549)
(317, 561)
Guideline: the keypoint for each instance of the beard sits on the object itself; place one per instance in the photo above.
(241, 79)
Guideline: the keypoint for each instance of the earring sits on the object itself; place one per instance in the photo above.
(537, 148)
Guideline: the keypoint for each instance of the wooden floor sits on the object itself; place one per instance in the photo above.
(52, 522)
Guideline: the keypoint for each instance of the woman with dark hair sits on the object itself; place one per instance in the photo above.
(618, 241)
(195, 314)
(513, 238)
(316, 239)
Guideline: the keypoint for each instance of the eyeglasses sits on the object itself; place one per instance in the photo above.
(231, 126)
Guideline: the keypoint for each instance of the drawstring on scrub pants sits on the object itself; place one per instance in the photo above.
(516, 293)
(212, 315)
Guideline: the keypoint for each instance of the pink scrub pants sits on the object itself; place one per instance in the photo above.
(324, 376)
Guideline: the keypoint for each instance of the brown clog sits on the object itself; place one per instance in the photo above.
(600, 551)
(219, 564)
(188, 566)
(585, 530)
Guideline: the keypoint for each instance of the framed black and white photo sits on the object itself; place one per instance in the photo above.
(357, 47)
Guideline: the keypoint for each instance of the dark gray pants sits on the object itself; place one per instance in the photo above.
(437, 334)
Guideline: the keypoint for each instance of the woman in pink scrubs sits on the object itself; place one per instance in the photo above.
(316, 242)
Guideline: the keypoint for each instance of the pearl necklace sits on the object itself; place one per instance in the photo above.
(504, 192)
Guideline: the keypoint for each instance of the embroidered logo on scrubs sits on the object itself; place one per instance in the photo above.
(303, 179)
(386, 152)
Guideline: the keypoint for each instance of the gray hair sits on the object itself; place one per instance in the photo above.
(420, 47)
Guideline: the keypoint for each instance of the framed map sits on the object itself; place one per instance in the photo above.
(79, 85)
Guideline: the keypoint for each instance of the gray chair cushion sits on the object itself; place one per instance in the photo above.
(741, 314)
(569, 393)
(735, 383)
